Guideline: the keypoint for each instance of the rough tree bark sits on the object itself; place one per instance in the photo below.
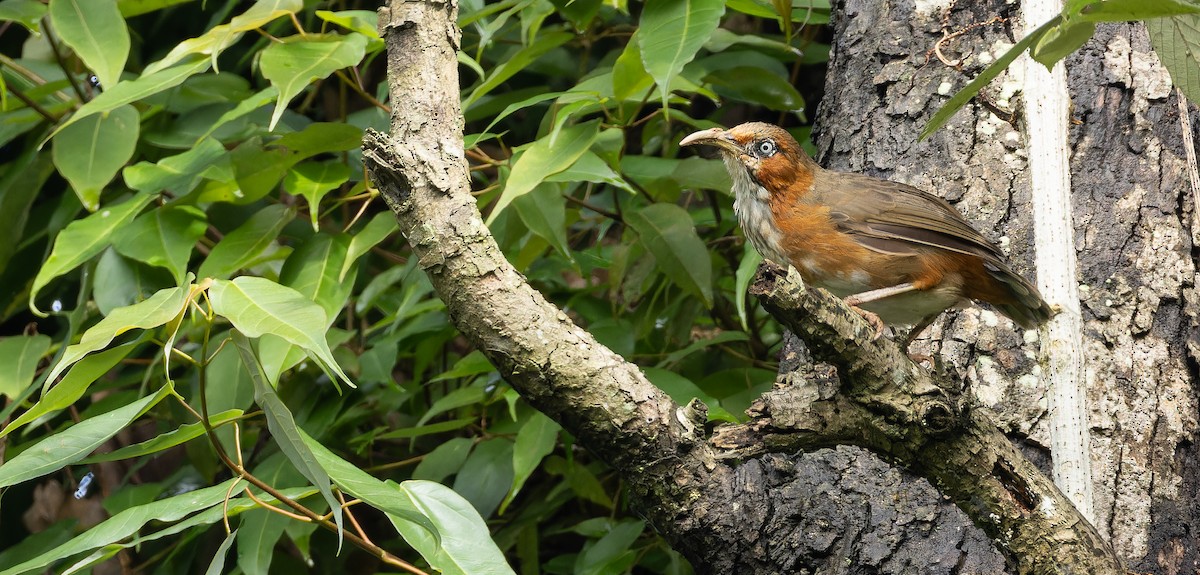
(733, 506)
(1135, 225)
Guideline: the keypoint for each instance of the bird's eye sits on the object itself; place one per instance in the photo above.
(765, 148)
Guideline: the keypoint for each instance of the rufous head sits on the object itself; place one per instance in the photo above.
(769, 153)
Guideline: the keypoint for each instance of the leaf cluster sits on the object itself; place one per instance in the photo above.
(224, 356)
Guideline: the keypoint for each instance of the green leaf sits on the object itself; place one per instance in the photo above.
(217, 566)
(313, 271)
(542, 159)
(670, 34)
(960, 98)
(461, 397)
(243, 108)
(753, 84)
(312, 180)
(378, 229)
(19, 187)
(745, 272)
(258, 306)
(517, 62)
(385, 497)
(544, 212)
(283, 428)
(629, 77)
(259, 531)
(27, 13)
(92, 151)
(183, 434)
(128, 523)
(220, 37)
(445, 460)
(683, 391)
(83, 239)
(486, 475)
(131, 8)
(131, 91)
(163, 237)
(294, 63)
(20, 355)
(1125, 10)
(613, 553)
(535, 440)
(95, 30)
(179, 173)
(1060, 41)
(591, 168)
(668, 233)
(74, 443)
(466, 546)
(1177, 42)
(157, 310)
(721, 39)
(244, 244)
(73, 386)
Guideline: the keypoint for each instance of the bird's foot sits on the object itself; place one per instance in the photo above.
(871, 318)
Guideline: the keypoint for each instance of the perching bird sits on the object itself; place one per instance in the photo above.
(887, 248)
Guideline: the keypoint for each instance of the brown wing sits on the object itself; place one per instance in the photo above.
(898, 219)
(895, 218)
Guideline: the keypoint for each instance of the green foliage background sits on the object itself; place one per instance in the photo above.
(206, 310)
(202, 293)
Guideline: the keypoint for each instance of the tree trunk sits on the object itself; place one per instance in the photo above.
(1135, 231)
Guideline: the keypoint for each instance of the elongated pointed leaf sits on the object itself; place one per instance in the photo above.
(258, 306)
(543, 159)
(745, 272)
(378, 229)
(127, 523)
(960, 98)
(535, 440)
(466, 547)
(519, 61)
(27, 13)
(83, 239)
(73, 385)
(1177, 42)
(360, 484)
(179, 173)
(74, 443)
(244, 244)
(671, 33)
(184, 434)
(131, 91)
(163, 237)
(91, 152)
(158, 309)
(211, 43)
(284, 430)
(312, 180)
(20, 355)
(95, 30)
(217, 566)
(544, 212)
(295, 62)
(667, 232)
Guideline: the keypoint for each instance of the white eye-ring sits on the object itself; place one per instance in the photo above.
(765, 148)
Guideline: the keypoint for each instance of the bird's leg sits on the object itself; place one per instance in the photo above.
(858, 299)
(855, 300)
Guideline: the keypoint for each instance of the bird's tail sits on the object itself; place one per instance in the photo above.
(1026, 306)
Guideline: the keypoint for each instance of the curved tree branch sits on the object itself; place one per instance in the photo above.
(685, 484)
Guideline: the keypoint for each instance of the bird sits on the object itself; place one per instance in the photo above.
(890, 250)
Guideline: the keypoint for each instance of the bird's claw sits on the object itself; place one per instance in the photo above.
(872, 319)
